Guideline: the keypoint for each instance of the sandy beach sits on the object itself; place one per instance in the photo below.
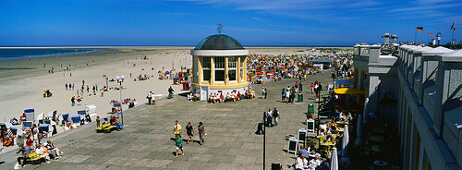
(22, 88)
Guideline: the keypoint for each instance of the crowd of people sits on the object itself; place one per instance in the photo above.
(232, 96)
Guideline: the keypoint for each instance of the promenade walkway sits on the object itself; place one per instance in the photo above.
(231, 142)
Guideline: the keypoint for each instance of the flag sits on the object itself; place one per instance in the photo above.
(453, 27)
(430, 33)
(419, 28)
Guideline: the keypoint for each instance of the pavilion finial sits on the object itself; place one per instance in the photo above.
(219, 28)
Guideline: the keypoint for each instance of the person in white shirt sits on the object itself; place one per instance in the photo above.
(314, 163)
(301, 163)
(323, 126)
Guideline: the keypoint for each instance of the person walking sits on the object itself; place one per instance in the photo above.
(283, 93)
(179, 145)
(269, 118)
(312, 88)
(72, 86)
(149, 97)
(201, 131)
(170, 92)
(276, 116)
(65, 85)
(73, 100)
(189, 130)
(265, 90)
(177, 128)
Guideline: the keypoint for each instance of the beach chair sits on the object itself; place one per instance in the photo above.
(46, 121)
(40, 117)
(3, 126)
(44, 128)
(65, 117)
(14, 130)
(91, 110)
(30, 116)
(75, 119)
(82, 114)
(105, 128)
(27, 125)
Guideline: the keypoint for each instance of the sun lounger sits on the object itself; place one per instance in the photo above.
(106, 128)
(33, 158)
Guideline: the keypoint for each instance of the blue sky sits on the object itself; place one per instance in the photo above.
(252, 22)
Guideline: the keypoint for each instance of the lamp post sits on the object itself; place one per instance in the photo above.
(319, 101)
(120, 79)
(264, 138)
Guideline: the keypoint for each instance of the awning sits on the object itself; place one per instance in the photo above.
(349, 91)
(344, 82)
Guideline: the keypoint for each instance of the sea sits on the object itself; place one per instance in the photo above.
(8, 54)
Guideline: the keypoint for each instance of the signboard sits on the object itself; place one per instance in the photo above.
(302, 135)
(292, 145)
(310, 125)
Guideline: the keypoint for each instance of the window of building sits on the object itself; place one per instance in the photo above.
(232, 65)
(206, 68)
(219, 68)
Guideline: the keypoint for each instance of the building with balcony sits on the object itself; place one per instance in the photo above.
(427, 85)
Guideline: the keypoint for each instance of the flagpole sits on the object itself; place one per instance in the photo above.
(452, 40)
(415, 37)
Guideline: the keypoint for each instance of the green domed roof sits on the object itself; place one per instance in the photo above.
(219, 42)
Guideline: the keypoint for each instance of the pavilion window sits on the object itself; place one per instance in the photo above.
(219, 68)
(206, 68)
(232, 65)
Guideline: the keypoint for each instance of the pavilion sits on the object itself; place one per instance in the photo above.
(219, 66)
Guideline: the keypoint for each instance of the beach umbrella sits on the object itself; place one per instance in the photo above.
(346, 138)
(334, 159)
(358, 130)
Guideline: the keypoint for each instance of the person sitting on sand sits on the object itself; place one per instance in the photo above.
(42, 151)
(52, 150)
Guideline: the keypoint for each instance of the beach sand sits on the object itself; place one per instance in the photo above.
(22, 88)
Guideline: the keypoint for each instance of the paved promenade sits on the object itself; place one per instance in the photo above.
(230, 143)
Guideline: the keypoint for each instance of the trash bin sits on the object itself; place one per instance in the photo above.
(311, 109)
(300, 97)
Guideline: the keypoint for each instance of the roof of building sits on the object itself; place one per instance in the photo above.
(219, 42)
